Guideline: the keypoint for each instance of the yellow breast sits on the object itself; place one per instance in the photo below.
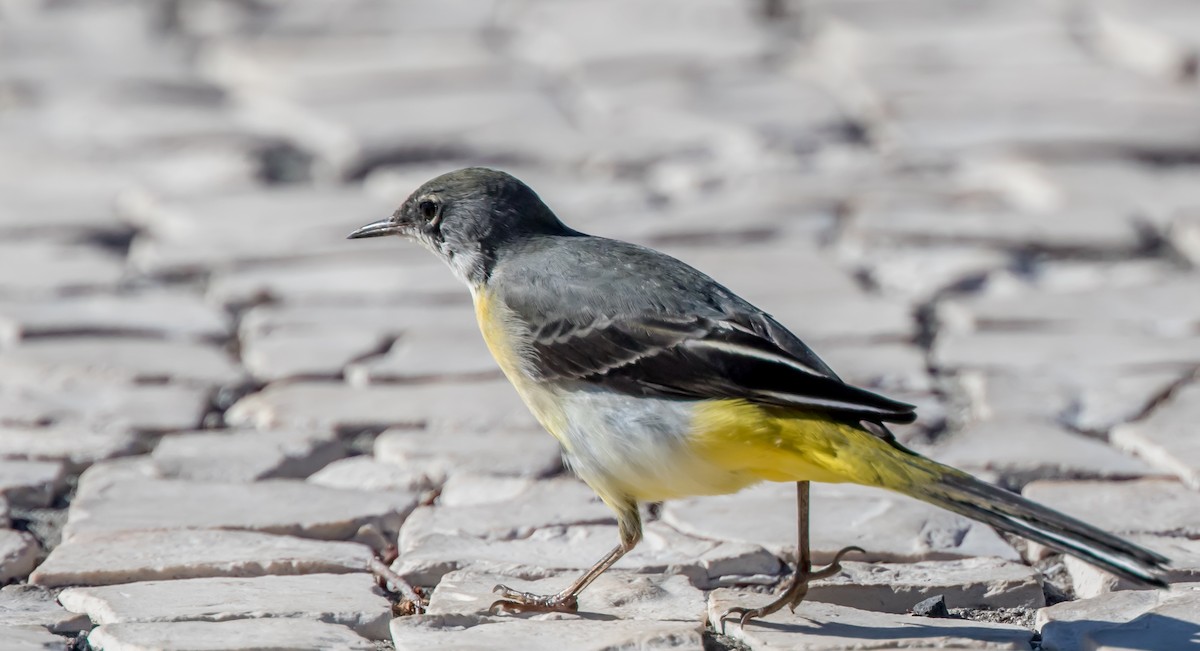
(492, 318)
(502, 334)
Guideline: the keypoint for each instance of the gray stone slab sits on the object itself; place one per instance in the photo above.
(1091, 402)
(156, 313)
(1090, 581)
(1162, 307)
(1104, 401)
(845, 318)
(323, 353)
(888, 526)
(617, 593)
(235, 635)
(558, 37)
(128, 556)
(364, 473)
(986, 583)
(1112, 184)
(1050, 352)
(199, 168)
(36, 267)
(205, 231)
(31, 483)
(272, 334)
(129, 121)
(34, 203)
(746, 269)
(27, 605)
(437, 632)
(816, 626)
(467, 489)
(346, 134)
(1154, 506)
(1150, 620)
(919, 272)
(90, 403)
(578, 547)
(447, 451)
(1153, 40)
(943, 225)
(385, 320)
(1004, 447)
(121, 359)
(246, 455)
(398, 272)
(627, 134)
(348, 599)
(911, 73)
(886, 367)
(1069, 277)
(110, 471)
(495, 407)
(270, 506)
(1167, 438)
(548, 503)
(523, 124)
(18, 555)
(30, 638)
(797, 111)
(431, 353)
(360, 65)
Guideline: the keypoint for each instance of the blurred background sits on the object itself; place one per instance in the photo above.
(988, 208)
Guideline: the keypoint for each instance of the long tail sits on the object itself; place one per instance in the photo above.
(961, 493)
(779, 444)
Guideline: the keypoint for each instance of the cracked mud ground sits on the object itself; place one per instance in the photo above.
(214, 409)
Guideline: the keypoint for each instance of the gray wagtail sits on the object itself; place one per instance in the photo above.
(660, 383)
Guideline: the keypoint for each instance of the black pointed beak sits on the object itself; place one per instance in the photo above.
(376, 229)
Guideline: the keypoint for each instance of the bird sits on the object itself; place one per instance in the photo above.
(659, 383)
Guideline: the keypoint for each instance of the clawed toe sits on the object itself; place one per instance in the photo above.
(747, 614)
(514, 601)
(835, 565)
(793, 595)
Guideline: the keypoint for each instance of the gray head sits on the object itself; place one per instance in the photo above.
(466, 216)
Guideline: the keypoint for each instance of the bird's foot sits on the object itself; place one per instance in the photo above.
(513, 601)
(793, 594)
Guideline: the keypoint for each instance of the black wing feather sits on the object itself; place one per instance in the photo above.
(701, 358)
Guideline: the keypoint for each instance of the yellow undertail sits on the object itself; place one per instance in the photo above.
(782, 444)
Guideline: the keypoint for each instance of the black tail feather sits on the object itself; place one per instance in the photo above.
(963, 494)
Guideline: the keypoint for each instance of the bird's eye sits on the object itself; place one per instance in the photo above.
(429, 209)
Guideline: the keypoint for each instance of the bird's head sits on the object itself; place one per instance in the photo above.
(465, 216)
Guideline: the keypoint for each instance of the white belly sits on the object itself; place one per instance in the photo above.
(638, 447)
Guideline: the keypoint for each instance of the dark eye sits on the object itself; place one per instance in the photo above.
(429, 209)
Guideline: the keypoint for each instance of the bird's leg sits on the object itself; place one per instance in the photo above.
(629, 522)
(797, 586)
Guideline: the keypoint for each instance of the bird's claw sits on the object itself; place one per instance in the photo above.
(514, 601)
(793, 594)
(834, 566)
(746, 615)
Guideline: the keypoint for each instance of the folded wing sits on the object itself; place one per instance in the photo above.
(750, 357)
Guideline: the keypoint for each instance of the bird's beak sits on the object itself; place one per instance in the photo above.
(376, 229)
